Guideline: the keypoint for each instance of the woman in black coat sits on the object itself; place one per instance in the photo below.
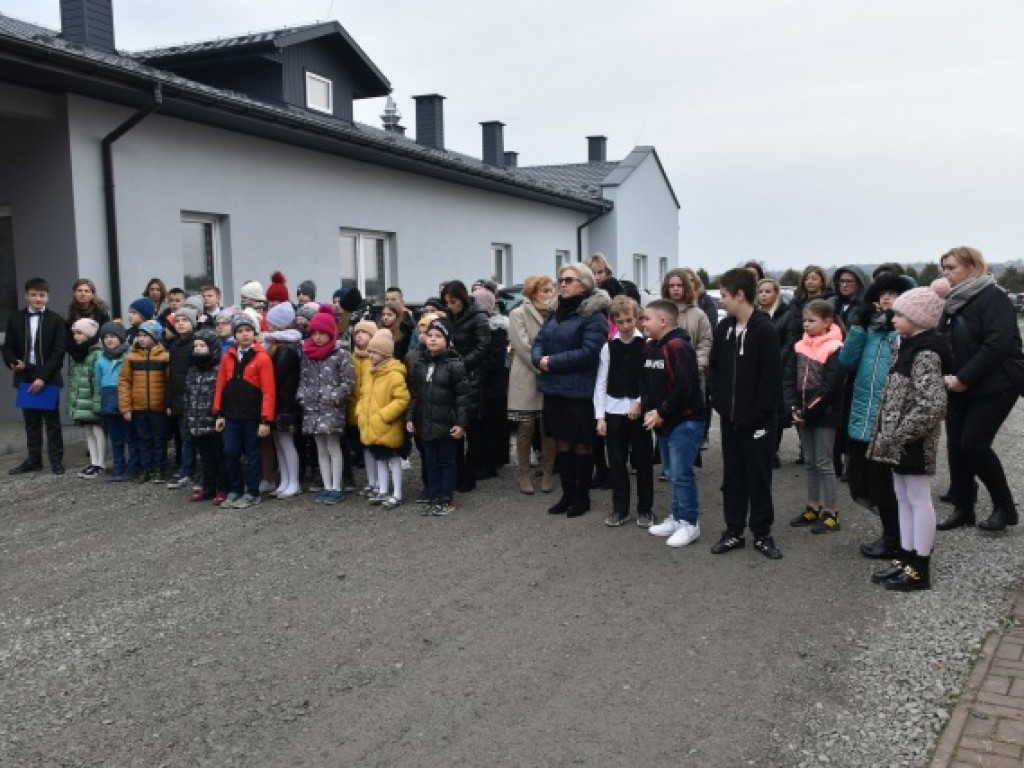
(769, 301)
(982, 328)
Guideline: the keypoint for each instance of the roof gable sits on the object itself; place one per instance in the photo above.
(631, 162)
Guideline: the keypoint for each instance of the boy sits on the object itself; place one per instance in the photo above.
(673, 406)
(305, 293)
(746, 387)
(244, 404)
(141, 395)
(438, 413)
(180, 351)
(108, 375)
(34, 349)
(617, 410)
(139, 311)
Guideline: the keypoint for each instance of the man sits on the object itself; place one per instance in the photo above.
(34, 349)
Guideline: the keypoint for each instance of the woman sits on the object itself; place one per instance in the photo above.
(769, 301)
(156, 291)
(491, 451)
(85, 304)
(524, 399)
(567, 352)
(471, 339)
(982, 328)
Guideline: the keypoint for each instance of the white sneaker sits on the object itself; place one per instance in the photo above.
(666, 527)
(687, 534)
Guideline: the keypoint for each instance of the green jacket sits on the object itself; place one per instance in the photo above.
(84, 390)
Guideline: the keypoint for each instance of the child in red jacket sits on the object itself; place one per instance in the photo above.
(244, 405)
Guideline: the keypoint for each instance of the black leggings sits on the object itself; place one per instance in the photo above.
(971, 427)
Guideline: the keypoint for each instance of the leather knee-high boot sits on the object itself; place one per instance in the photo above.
(567, 472)
(584, 468)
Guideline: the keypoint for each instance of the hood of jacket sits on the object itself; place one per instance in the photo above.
(598, 301)
(857, 272)
(820, 347)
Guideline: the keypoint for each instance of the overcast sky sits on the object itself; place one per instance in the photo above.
(793, 131)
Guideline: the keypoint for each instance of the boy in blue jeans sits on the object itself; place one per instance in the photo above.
(673, 406)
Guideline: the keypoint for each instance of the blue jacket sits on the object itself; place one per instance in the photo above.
(572, 341)
(866, 354)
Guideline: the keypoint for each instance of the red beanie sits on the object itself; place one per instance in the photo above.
(277, 291)
(324, 321)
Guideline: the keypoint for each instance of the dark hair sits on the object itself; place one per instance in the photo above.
(176, 290)
(739, 280)
(757, 268)
(456, 289)
(163, 289)
(801, 292)
(394, 289)
(823, 308)
(96, 307)
(666, 307)
(888, 267)
(37, 284)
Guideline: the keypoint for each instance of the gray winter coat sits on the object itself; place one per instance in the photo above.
(324, 388)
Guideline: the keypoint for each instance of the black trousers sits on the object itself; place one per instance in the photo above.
(34, 422)
(211, 457)
(971, 427)
(747, 479)
(871, 485)
(628, 437)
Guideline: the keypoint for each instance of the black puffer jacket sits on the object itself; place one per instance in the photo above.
(494, 371)
(472, 337)
(982, 334)
(287, 361)
(441, 395)
(180, 351)
(200, 385)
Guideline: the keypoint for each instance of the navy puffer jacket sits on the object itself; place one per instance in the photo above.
(571, 338)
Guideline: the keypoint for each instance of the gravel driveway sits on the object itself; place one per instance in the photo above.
(139, 629)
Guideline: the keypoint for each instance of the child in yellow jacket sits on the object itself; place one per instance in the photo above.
(381, 415)
(141, 397)
(361, 336)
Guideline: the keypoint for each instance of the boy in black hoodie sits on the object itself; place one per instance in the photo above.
(745, 376)
(673, 407)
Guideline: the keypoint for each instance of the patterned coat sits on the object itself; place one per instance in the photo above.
(324, 388)
(200, 387)
(913, 406)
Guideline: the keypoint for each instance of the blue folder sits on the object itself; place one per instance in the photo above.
(45, 399)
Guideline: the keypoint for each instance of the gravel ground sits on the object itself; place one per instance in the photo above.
(138, 629)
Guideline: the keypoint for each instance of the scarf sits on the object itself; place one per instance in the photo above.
(965, 291)
(315, 352)
(116, 353)
(567, 306)
(78, 352)
(203, 362)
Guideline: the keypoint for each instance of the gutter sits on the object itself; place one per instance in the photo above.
(109, 200)
(579, 233)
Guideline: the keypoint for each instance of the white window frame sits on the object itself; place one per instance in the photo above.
(215, 223)
(662, 268)
(501, 263)
(562, 258)
(640, 270)
(362, 237)
(314, 79)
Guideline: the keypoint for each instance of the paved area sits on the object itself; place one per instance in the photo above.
(987, 727)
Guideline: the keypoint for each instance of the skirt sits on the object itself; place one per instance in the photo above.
(569, 420)
(521, 416)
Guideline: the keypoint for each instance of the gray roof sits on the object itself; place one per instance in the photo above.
(585, 178)
(226, 43)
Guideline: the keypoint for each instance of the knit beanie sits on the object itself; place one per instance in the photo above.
(383, 343)
(426, 319)
(307, 287)
(278, 290)
(435, 303)
(228, 313)
(189, 314)
(324, 321)
(152, 328)
(923, 306)
(115, 328)
(253, 291)
(211, 339)
(348, 298)
(367, 326)
(485, 299)
(282, 315)
(307, 310)
(444, 325)
(86, 326)
(145, 307)
(246, 317)
(196, 303)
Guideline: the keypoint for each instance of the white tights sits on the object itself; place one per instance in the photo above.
(371, 468)
(392, 466)
(287, 462)
(96, 442)
(917, 513)
(328, 452)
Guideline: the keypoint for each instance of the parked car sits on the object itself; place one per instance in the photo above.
(716, 294)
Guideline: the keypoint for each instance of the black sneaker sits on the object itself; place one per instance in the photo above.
(645, 519)
(766, 546)
(827, 523)
(615, 519)
(807, 518)
(728, 543)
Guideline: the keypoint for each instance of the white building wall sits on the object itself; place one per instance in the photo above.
(285, 207)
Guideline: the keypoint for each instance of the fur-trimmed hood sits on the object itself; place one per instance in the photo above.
(597, 301)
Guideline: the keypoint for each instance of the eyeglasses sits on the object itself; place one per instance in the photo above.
(846, 281)
(568, 280)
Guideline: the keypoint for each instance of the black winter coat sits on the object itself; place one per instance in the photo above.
(472, 337)
(180, 352)
(494, 371)
(287, 360)
(441, 395)
(982, 334)
(745, 374)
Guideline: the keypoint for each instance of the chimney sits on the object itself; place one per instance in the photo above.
(430, 120)
(597, 149)
(392, 118)
(511, 159)
(494, 143)
(88, 23)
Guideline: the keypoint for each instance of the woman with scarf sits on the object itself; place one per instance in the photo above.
(85, 304)
(567, 352)
(982, 328)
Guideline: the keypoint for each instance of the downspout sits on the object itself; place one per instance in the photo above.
(110, 204)
(579, 233)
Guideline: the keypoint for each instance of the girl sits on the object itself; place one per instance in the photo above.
(907, 431)
(325, 383)
(282, 342)
(200, 387)
(391, 318)
(381, 413)
(813, 393)
(770, 301)
(364, 331)
(84, 394)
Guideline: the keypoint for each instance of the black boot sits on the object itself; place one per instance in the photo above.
(1000, 518)
(880, 549)
(960, 517)
(916, 575)
(584, 467)
(893, 569)
(566, 468)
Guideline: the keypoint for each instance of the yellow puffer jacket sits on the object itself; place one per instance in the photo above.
(381, 411)
(361, 363)
(143, 382)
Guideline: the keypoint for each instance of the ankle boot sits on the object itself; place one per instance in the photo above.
(894, 568)
(916, 575)
(960, 517)
(524, 445)
(567, 472)
(548, 454)
(880, 549)
(1000, 518)
(584, 467)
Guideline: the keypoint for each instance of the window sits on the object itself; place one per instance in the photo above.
(9, 292)
(501, 261)
(319, 93)
(364, 260)
(561, 259)
(201, 250)
(640, 271)
(662, 269)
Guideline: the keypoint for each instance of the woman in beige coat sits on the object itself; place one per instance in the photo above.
(524, 401)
